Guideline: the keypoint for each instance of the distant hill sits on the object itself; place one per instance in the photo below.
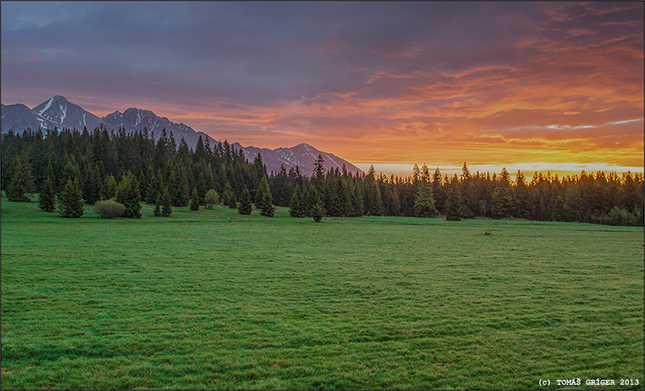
(59, 112)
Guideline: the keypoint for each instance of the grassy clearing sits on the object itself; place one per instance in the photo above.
(198, 301)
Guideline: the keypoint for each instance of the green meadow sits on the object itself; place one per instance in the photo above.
(198, 301)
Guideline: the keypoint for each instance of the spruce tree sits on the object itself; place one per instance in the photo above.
(228, 197)
(129, 195)
(157, 211)
(316, 210)
(357, 207)
(134, 198)
(246, 206)
(91, 185)
(166, 207)
(319, 170)
(558, 213)
(194, 200)
(29, 178)
(392, 202)
(438, 191)
(108, 189)
(424, 201)
(296, 207)
(17, 186)
(153, 190)
(264, 199)
(178, 185)
(70, 203)
(47, 197)
(453, 204)
(374, 199)
(49, 172)
(502, 202)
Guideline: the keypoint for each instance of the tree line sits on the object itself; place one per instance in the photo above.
(600, 198)
(120, 165)
(127, 167)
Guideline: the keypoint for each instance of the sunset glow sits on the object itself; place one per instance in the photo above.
(531, 86)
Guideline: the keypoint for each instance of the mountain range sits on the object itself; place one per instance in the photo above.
(59, 112)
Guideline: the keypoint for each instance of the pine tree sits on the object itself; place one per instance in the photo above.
(296, 207)
(246, 206)
(424, 202)
(70, 203)
(453, 204)
(264, 199)
(194, 200)
(47, 197)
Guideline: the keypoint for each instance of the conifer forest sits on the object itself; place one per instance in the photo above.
(68, 166)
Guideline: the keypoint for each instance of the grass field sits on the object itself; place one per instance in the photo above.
(198, 301)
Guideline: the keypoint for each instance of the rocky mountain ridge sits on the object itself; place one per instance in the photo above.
(61, 113)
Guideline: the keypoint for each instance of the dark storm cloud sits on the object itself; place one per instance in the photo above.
(256, 52)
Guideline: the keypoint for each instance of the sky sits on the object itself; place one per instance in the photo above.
(545, 86)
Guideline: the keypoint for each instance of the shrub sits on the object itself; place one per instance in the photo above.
(211, 198)
(109, 209)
